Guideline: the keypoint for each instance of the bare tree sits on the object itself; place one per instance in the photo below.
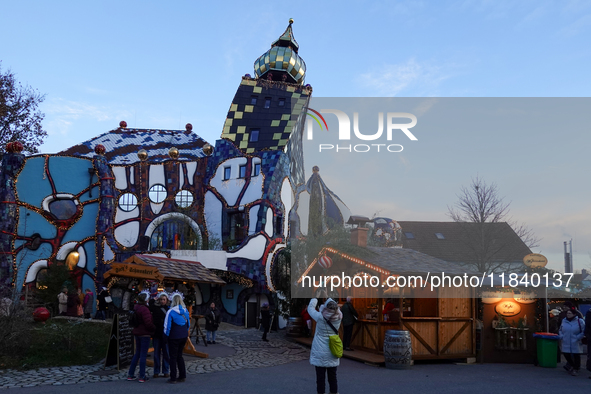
(488, 227)
(19, 118)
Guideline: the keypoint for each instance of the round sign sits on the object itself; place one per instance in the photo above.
(508, 308)
(535, 260)
(526, 297)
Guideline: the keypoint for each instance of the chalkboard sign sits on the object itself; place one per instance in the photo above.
(120, 350)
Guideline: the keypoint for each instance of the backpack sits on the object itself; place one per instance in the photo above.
(135, 319)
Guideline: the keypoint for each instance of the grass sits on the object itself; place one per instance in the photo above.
(61, 343)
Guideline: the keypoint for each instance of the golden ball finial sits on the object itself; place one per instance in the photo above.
(142, 155)
(290, 21)
(173, 153)
(207, 149)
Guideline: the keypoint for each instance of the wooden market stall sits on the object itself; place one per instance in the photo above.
(442, 322)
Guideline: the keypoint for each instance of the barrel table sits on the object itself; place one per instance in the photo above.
(397, 349)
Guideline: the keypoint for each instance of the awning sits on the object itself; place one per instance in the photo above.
(134, 271)
(174, 269)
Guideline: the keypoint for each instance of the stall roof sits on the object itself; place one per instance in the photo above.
(177, 269)
(400, 261)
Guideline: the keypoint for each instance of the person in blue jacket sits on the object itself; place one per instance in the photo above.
(572, 330)
(176, 332)
(588, 335)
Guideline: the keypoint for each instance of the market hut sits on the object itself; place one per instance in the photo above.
(143, 271)
(441, 323)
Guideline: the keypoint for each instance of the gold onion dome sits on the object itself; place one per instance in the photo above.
(282, 61)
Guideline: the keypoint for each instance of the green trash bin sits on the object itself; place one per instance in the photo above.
(547, 345)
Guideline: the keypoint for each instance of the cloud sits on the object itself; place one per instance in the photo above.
(63, 115)
(420, 78)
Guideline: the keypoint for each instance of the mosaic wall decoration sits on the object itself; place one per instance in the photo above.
(386, 233)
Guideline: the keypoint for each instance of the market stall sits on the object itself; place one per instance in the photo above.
(442, 322)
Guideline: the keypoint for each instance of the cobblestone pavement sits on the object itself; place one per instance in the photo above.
(250, 352)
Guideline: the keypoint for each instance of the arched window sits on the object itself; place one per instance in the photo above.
(174, 234)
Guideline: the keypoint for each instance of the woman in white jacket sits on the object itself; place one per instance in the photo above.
(320, 355)
(572, 330)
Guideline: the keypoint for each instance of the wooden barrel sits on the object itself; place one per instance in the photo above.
(397, 349)
(295, 327)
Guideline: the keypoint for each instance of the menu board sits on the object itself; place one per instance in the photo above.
(120, 350)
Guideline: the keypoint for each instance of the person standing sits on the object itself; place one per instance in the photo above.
(349, 317)
(572, 330)
(320, 354)
(88, 303)
(265, 320)
(142, 334)
(161, 360)
(62, 299)
(176, 332)
(102, 304)
(307, 321)
(588, 335)
(554, 327)
(212, 322)
(73, 303)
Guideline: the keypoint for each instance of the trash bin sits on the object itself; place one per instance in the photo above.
(547, 344)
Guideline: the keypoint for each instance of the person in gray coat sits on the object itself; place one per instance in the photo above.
(320, 354)
(572, 330)
(349, 317)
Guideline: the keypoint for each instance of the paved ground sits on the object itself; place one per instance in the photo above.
(242, 363)
(234, 349)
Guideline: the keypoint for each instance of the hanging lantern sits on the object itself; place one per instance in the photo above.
(325, 262)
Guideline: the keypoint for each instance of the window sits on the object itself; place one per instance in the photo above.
(63, 209)
(253, 100)
(227, 173)
(256, 169)
(409, 235)
(267, 102)
(254, 135)
(234, 228)
(439, 236)
(127, 202)
(184, 199)
(157, 194)
(174, 235)
(242, 173)
(278, 226)
(281, 102)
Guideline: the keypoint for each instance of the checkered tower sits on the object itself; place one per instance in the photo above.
(268, 111)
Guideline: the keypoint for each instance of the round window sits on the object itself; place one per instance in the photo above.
(184, 199)
(127, 202)
(157, 194)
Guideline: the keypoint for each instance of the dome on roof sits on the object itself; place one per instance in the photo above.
(282, 62)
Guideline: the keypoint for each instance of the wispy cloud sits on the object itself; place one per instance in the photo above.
(63, 114)
(411, 77)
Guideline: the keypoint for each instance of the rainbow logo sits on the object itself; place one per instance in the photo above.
(316, 119)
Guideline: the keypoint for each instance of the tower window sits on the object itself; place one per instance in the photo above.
(267, 102)
(227, 173)
(254, 135)
(253, 100)
(257, 169)
(242, 173)
(281, 102)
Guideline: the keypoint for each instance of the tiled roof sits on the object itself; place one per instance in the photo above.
(457, 244)
(122, 145)
(179, 269)
(407, 261)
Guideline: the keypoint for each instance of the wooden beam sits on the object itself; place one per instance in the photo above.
(455, 337)
(419, 338)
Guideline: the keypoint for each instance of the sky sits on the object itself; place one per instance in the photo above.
(161, 65)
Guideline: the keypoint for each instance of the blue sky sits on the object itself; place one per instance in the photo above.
(161, 65)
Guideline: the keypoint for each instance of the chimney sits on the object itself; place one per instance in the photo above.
(359, 236)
